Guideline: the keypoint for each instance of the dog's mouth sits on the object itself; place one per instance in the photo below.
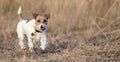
(42, 28)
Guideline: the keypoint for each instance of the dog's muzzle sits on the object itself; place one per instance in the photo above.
(42, 27)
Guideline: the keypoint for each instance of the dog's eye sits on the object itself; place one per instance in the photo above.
(44, 20)
(38, 20)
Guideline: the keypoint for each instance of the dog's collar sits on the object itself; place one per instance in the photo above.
(38, 31)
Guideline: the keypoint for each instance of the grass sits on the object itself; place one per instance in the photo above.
(79, 30)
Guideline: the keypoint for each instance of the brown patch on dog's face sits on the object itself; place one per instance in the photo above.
(40, 19)
(40, 22)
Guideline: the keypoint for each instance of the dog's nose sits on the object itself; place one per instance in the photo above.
(42, 27)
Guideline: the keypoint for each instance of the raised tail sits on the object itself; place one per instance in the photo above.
(20, 13)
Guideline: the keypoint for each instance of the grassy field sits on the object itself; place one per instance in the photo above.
(78, 30)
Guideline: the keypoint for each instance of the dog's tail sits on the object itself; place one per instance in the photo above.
(20, 13)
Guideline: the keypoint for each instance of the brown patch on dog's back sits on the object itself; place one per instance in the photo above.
(28, 20)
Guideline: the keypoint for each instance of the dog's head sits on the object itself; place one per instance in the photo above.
(41, 22)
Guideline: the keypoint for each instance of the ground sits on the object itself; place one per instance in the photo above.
(78, 30)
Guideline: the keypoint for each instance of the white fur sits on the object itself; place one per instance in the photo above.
(27, 28)
(24, 28)
(20, 10)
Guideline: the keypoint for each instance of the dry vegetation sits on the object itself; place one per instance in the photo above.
(79, 30)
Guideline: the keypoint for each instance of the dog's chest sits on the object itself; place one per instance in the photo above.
(37, 36)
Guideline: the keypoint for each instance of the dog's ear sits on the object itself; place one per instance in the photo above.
(35, 15)
(47, 16)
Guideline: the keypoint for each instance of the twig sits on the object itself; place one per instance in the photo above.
(105, 27)
(110, 8)
(100, 29)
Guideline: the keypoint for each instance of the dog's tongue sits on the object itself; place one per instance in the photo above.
(43, 28)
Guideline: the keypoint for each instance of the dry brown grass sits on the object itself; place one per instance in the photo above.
(79, 30)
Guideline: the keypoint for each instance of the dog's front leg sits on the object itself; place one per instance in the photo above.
(43, 41)
(30, 43)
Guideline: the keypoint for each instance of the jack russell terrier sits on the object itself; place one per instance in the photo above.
(34, 30)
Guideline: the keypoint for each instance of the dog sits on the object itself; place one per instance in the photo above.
(34, 30)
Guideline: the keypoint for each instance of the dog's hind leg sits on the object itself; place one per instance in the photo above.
(21, 38)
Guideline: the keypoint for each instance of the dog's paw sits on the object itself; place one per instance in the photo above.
(39, 51)
(31, 49)
(44, 51)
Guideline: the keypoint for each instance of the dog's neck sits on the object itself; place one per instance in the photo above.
(38, 31)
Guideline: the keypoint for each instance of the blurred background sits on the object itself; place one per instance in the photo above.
(78, 30)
